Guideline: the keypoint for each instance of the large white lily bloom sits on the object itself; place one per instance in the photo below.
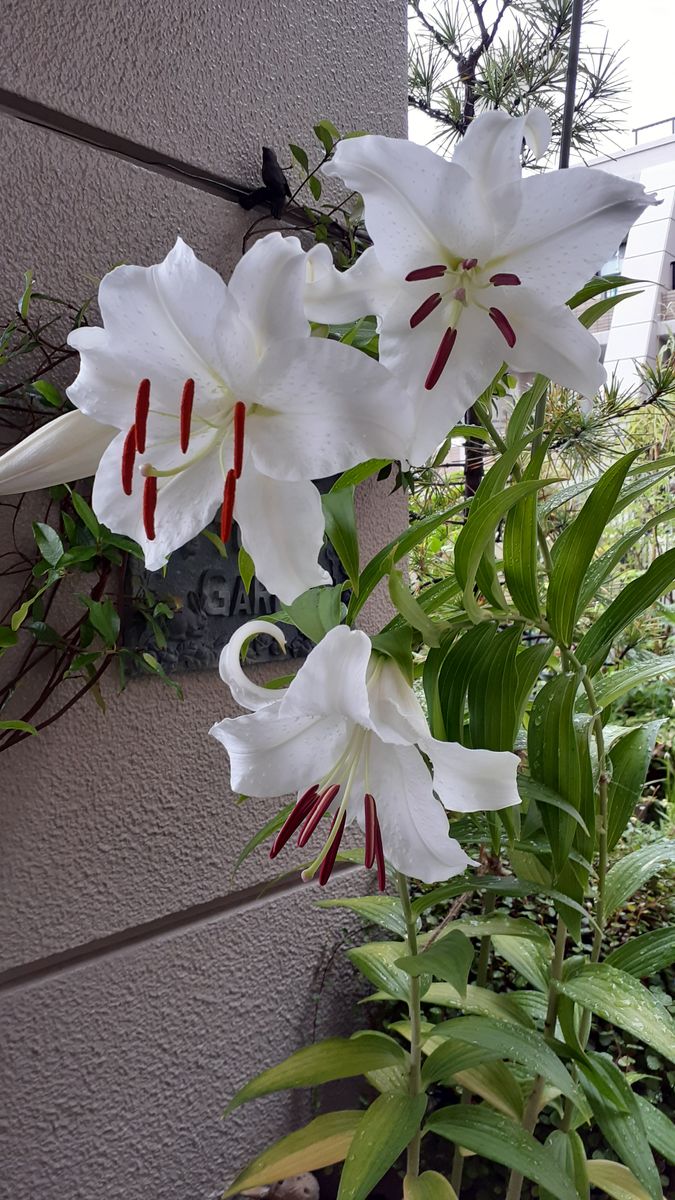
(196, 396)
(471, 264)
(348, 735)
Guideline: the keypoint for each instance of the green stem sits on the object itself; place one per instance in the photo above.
(415, 1012)
(603, 854)
(485, 942)
(489, 902)
(458, 1158)
(534, 1101)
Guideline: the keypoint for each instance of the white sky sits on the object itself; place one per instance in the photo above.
(646, 30)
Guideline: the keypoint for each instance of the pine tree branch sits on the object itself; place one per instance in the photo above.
(431, 29)
(439, 114)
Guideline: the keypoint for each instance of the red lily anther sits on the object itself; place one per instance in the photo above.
(379, 855)
(186, 402)
(504, 279)
(329, 861)
(434, 272)
(141, 414)
(321, 806)
(239, 420)
(504, 327)
(149, 506)
(227, 511)
(128, 459)
(294, 819)
(371, 826)
(425, 309)
(442, 356)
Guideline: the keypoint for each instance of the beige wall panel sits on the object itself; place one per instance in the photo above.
(210, 82)
(72, 213)
(112, 821)
(118, 1070)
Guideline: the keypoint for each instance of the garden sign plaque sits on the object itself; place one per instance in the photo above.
(209, 600)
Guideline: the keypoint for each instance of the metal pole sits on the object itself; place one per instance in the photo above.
(571, 82)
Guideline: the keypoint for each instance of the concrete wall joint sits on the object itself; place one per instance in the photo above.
(167, 925)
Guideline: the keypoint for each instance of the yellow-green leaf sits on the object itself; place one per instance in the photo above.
(377, 961)
(619, 998)
(335, 1058)
(494, 1083)
(383, 1133)
(448, 959)
(428, 1186)
(615, 1180)
(488, 1133)
(326, 1140)
(477, 1000)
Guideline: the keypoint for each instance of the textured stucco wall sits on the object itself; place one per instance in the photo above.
(141, 982)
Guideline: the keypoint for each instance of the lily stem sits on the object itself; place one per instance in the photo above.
(489, 902)
(415, 1013)
(534, 1102)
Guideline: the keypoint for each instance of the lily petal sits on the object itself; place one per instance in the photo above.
(570, 222)
(332, 680)
(267, 285)
(282, 527)
(418, 206)
(305, 384)
(337, 297)
(271, 755)
(66, 449)
(395, 712)
(472, 780)
(414, 827)
(186, 503)
(553, 341)
(490, 152)
(247, 693)
(169, 322)
(477, 355)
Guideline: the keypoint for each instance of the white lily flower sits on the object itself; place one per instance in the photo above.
(471, 264)
(218, 397)
(348, 735)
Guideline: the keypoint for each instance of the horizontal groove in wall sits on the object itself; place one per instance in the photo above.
(152, 931)
(14, 105)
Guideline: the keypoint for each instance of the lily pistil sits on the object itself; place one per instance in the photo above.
(461, 279)
(135, 443)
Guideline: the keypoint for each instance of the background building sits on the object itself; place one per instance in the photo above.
(638, 327)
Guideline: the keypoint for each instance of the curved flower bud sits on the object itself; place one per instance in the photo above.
(66, 449)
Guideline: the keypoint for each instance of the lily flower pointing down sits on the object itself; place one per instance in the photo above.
(196, 396)
(349, 736)
(471, 264)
